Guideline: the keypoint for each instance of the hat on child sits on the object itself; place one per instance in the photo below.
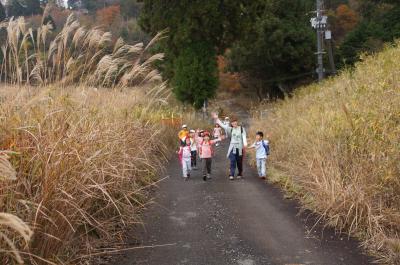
(192, 131)
(184, 126)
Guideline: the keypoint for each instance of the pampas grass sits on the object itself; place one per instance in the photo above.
(74, 55)
(83, 160)
(339, 144)
(81, 157)
(11, 227)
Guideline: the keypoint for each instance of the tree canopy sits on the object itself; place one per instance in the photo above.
(193, 25)
(380, 24)
(278, 49)
(2, 12)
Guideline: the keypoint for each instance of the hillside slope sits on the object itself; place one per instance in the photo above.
(337, 145)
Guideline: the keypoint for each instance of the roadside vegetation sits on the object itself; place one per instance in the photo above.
(336, 146)
(81, 138)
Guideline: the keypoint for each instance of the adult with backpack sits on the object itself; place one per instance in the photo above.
(237, 145)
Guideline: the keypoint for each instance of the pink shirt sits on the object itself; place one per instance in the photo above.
(205, 149)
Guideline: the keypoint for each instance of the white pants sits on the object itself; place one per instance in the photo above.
(261, 167)
(186, 166)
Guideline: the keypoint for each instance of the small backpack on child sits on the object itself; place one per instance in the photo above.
(266, 147)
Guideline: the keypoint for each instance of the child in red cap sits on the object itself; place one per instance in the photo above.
(206, 153)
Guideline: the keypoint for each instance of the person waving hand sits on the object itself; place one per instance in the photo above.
(238, 143)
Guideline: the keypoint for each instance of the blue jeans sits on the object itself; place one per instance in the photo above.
(261, 167)
(236, 161)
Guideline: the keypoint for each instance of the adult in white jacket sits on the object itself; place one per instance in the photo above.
(238, 142)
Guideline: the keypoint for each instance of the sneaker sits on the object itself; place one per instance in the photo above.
(262, 177)
(204, 177)
(231, 177)
(194, 168)
(239, 177)
(208, 176)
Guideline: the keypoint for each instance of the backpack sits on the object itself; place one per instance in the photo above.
(266, 147)
(211, 147)
(241, 132)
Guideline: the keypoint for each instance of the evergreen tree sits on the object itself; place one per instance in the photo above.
(24, 7)
(192, 24)
(2, 12)
(380, 24)
(196, 78)
(278, 49)
(130, 8)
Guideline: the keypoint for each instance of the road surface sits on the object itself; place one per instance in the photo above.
(241, 222)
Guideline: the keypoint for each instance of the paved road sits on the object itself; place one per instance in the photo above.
(243, 222)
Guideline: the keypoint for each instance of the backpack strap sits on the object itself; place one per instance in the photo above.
(266, 147)
(209, 144)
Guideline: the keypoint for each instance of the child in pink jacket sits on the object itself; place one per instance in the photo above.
(185, 158)
(206, 153)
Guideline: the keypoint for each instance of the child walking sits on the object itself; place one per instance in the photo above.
(206, 153)
(217, 132)
(193, 149)
(262, 152)
(185, 158)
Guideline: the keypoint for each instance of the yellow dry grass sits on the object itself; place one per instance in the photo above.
(338, 143)
(82, 157)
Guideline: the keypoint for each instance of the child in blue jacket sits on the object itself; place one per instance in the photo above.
(262, 152)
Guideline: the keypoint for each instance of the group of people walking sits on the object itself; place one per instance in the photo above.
(197, 143)
(200, 143)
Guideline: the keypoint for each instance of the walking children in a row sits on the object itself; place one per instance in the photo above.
(199, 144)
(196, 143)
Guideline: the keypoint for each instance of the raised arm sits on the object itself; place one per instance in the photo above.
(226, 127)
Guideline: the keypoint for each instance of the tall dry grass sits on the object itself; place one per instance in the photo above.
(83, 159)
(83, 156)
(12, 228)
(74, 55)
(338, 143)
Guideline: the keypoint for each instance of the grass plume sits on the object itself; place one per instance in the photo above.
(74, 55)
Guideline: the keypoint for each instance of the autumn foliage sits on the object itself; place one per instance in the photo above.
(227, 81)
(108, 15)
(343, 20)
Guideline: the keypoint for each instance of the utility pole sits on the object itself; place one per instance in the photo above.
(320, 52)
(320, 23)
